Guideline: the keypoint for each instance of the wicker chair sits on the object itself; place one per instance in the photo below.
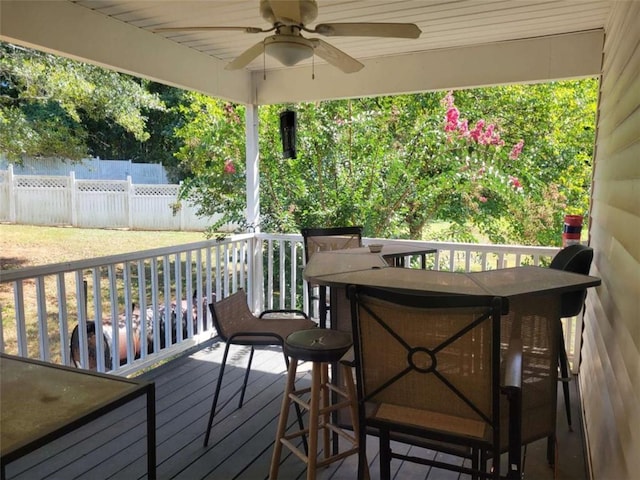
(437, 381)
(323, 239)
(577, 259)
(237, 325)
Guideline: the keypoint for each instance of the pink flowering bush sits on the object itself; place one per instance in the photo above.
(488, 184)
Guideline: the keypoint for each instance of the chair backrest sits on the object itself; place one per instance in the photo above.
(576, 259)
(231, 314)
(441, 356)
(334, 238)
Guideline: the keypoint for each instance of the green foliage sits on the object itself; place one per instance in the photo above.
(390, 164)
(395, 165)
(48, 102)
(213, 144)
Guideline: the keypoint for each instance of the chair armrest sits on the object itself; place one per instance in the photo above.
(284, 311)
(512, 388)
(513, 365)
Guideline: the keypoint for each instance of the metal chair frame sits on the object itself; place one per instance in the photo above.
(264, 331)
(309, 235)
(372, 399)
(577, 259)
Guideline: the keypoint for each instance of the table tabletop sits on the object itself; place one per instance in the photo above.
(339, 268)
(40, 402)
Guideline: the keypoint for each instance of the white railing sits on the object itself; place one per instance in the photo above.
(171, 316)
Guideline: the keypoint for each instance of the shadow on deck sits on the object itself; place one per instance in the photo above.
(113, 447)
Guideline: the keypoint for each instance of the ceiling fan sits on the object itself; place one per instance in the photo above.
(289, 18)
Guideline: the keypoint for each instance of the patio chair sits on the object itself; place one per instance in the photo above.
(323, 239)
(577, 259)
(237, 325)
(437, 381)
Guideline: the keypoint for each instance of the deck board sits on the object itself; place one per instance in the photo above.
(114, 446)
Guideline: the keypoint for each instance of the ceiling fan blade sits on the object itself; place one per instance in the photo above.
(212, 29)
(246, 57)
(336, 57)
(287, 10)
(397, 30)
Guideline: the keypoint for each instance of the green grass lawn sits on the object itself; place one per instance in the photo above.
(26, 245)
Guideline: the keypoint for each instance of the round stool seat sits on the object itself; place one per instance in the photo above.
(317, 345)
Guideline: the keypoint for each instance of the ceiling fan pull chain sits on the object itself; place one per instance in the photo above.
(313, 66)
(264, 62)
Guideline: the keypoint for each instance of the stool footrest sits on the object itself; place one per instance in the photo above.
(295, 450)
(334, 458)
(341, 432)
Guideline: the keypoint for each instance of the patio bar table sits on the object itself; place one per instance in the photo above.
(533, 295)
(394, 253)
(40, 402)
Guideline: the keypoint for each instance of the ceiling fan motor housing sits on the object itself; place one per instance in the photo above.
(303, 12)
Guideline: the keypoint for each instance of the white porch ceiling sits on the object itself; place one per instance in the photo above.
(463, 43)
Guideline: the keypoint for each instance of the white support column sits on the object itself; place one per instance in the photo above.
(253, 204)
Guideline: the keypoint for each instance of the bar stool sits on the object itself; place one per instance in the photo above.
(321, 347)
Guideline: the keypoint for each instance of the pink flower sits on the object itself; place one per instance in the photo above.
(515, 183)
(463, 127)
(229, 167)
(452, 119)
(447, 101)
(482, 199)
(477, 130)
(490, 136)
(516, 150)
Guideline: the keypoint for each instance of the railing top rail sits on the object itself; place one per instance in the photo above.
(54, 268)
(478, 247)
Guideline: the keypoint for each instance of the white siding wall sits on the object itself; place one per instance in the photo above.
(610, 369)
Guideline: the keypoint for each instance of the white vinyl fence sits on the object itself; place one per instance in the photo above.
(90, 169)
(65, 200)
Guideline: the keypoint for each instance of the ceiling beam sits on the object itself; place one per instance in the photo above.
(63, 28)
(521, 61)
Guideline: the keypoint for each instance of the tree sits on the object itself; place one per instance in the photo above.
(51, 106)
(213, 143)
(398, 164)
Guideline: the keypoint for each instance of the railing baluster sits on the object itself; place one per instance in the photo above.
(115, 320)
(142, 308)
(155, 305)
(63, 325)
(82, 320)
(201, 296)
(166, 271)
(21, 328)
(270, 274)
(221, 293)
(177, 267)
(293, 272)
(97, 319)
(43, 328)
(188, 267)
(128, 312)
(210, 289)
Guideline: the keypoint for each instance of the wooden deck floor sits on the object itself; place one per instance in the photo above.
(113, 447)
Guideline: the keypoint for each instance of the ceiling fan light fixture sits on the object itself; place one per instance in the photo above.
(288, 51)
